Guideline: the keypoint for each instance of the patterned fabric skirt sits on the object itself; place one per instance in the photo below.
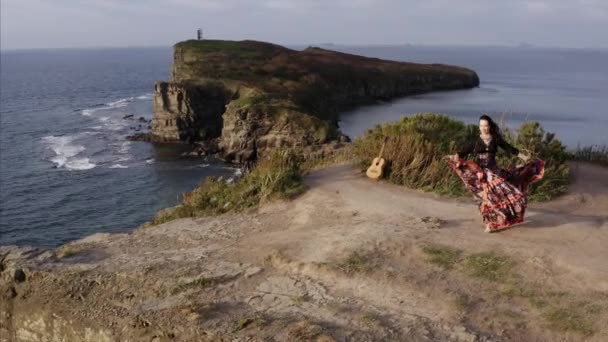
(501, 193)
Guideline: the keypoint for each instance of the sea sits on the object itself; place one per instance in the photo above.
(68, 171)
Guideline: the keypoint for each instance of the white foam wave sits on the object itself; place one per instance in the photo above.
(113, 105)
(88, 112)
(119, 103)
(150, 161)
(66, 151)
(145, 97)
(79, 164)
(203, 165)
(124, 147)
(115, 125)
(118, 166)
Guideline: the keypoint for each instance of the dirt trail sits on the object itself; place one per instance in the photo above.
(346, 261)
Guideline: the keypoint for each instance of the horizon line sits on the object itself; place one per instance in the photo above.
(522, 46)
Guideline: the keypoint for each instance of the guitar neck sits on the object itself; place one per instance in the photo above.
(382, 149)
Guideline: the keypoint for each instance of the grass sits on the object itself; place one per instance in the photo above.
(417, 145)
(445, 257)
(463, 303)
(199, 283)
(569, 319)
(66, 252)
(560, 310)
(488, 266)
(249, 321)
(277, 176)
(592, 154)
(356, 263)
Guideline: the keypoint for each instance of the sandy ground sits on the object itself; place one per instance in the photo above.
(346, 261)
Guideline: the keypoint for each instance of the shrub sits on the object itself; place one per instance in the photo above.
(417, 144)
(277, 176)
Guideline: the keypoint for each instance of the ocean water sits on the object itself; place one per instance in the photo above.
(67, 171)
(566, 90)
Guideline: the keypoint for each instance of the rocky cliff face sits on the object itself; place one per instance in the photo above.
(186, 112)
(256, 96)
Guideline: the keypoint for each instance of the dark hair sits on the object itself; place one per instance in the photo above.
(494, 129)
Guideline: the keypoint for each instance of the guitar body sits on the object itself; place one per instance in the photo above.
(376, 169)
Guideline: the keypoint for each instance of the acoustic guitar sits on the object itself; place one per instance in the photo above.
(375, 170)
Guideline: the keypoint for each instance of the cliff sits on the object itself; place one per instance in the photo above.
(253, 96)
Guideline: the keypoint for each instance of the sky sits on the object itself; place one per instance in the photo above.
(116, 23)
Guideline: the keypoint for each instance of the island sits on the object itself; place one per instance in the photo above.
(244, 98)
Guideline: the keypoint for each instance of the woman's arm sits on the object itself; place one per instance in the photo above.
(506, 146)
(466, 149)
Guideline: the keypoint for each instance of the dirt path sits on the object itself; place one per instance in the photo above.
(350, 260)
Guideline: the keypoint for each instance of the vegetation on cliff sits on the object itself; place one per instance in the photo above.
(417, 145)
(314, 81)
(277, 176)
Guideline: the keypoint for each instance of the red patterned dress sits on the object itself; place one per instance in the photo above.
(501, 193)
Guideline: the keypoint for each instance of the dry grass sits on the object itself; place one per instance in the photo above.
(446, 257)
(417, 146)
(277, 176)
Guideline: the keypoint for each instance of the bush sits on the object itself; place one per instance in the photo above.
(592, 154)
(532, 138)
(417, 144)
(414, 151)
(277, 176)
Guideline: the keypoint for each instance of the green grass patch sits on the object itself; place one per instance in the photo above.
(446, 257)
(488, 266)
(199, 283)
(66, 252)
(255, 320)
(356, 263)
(569, 319)
(277, 176)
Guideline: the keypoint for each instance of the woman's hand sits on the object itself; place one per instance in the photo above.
(523, 156)
(454, 157)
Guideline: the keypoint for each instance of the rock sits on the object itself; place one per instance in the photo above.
(186, 112)
(250, 272)
(10, 293)
(19, 276)
(343, 138)
(325, 338)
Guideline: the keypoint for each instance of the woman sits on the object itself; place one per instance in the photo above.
(502, 192)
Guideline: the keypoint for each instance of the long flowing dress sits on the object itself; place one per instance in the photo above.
(501, 194)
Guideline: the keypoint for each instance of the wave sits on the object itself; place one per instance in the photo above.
(118, 166)
(150, 161)
(79, 164)
(119, 103)
(145, 97)
(65, 152)
(124, 147)
(115, 104)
